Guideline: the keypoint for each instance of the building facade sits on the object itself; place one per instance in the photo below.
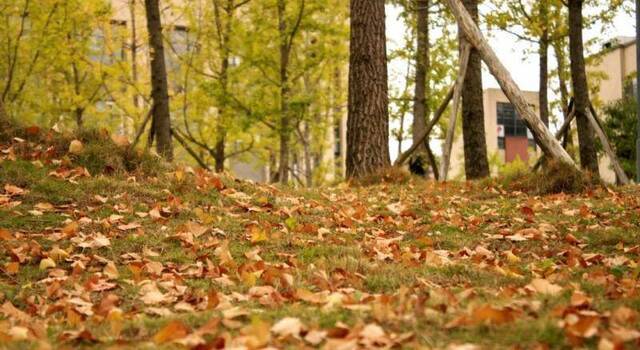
(616, 68)
(507, 136)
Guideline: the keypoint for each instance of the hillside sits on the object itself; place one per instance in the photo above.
(98, 250)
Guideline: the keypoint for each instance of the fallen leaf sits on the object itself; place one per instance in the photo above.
(171, 332)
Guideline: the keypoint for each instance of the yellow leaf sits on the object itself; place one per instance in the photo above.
(76, 147)
(47, 263)
(257, 234)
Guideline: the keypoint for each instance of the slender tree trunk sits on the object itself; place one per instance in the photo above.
(368, 123)
(221, 127)
(422, 67)
(586, 139)
(78, 111)
(3, 111)
(476, 161)
(134, 50)
(338, 110)
(638, 91)
(134, 64)
(306, 148)
(544, 66)
(463, 66)
(159, 86)
(284, 127)
(558, 48)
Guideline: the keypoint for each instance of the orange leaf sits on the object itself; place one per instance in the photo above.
(5, 235)
(12, 268)
(172, 331)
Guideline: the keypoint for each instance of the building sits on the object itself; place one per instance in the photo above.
(507, 136)
(616, 68)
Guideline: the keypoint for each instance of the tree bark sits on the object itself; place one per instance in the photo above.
(422, 68)
(159, 86)
(558, 47)
(544, 65)
(465, 55)
(221, 128)
(586, 140)
(368, 123)
(284, 127)
(547, 142)
(3, 111)
(597, 126)
(476, 161)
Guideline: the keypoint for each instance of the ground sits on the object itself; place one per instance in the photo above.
(189, 259)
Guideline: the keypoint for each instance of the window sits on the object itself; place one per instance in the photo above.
(631, 88)
(509, 118)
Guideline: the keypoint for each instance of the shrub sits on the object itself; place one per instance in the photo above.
(555, 177)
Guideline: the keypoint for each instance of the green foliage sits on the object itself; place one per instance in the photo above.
(621, 128)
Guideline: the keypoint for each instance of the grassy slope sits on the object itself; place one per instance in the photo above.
(418, 257)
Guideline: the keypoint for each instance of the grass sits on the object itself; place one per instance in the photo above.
(383, 267)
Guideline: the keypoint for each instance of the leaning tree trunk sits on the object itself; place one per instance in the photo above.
(545, 139)
(159, 86)
(422, 67)
(586, 139)
(368, 123)
(476, 162)
(463, 66)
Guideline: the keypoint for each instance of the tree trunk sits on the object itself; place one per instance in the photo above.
(558, 48)
(159, 86)
(596, 124)
(586, 140)
(544, 66)
(284, 95)
(221, 128)
(338, 117)
(3, 111)
(547, 142)
(463, 66)
(368, 123)
(476, 162)
(134, 50)
(422, 67)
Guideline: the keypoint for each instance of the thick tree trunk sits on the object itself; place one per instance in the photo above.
(476, 161)
(586, 140)
(159, 86)
(422, 68)
(547, 142)
(368, 124)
